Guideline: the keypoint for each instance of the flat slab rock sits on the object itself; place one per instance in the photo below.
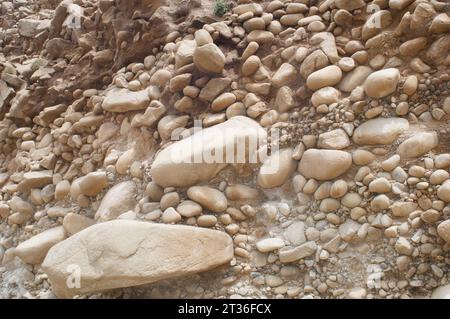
(382, 131)
(124, 253)
(35, 179)
(123, 100)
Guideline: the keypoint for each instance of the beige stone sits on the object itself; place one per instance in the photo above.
(286, 74)
(335, 139)
(326, 95)
(382, 83)
(328, 76)
(35, 179)
(241, 192)
(251, 65)
(34, 250)
(362, 157)
(175, 165)
(354, 78)
(284, 100)
(419, 144)
(118, 200)
(269, 244)
(189, 208)
(380, 131)
(276, 169)
(122, 100)
(443, 192)
(73, 223)
(210, 198)
(324, 164)
(288, 255)
(443, 230)
(170, 124)
(89, 185)
(209, 58)
(133, 253)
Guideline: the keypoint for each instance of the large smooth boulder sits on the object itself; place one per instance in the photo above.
(202, 155)
(382, 83)
(382, 131)
(119, 199)
(324, 165)
(124, 253)
(123, 100)
(418, 144)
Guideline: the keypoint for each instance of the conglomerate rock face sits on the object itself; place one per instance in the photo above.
(288, 149)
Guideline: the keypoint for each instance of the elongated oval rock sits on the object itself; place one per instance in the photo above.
(276, 169)
(328, 76)
(124, 253)
(89, 185)
(418, 144)
(289, 255)
(324, 165)
(269, 244)
(192, 160)
(382, 131)
(382, 83)
(241, 192)
(208, 197)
